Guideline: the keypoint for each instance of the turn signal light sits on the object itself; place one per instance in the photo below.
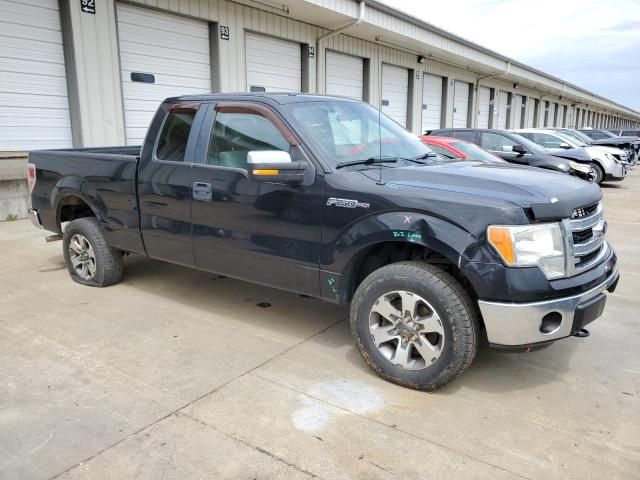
(500, 238)
(266, 172)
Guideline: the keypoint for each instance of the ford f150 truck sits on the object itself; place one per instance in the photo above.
(327, 197)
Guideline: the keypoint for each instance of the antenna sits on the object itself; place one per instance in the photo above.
(380, 182)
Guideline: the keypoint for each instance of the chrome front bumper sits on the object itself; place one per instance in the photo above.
(35, 218)
(519, 324)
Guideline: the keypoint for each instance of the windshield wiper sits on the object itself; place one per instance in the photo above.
(368, 161)
(424, 156)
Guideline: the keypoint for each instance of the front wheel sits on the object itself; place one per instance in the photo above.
(90, 260)
(414, 325)
(599, 173)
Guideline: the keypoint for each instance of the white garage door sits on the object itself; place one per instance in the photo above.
(517, 111)
(503, 98)
(460, 104)
(345, 75)
(395, 92)
(175, 50)
(484, 99)
(34, 103)
(431, 102)
(551, 112)
(273, 65)
(531, 111)
(568, 118)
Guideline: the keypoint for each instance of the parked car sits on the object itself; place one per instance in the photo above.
(625, 133)
(625, 156)
(516, 149)
(604, 137)
(604, 164)
(425, 250)
(455, 148)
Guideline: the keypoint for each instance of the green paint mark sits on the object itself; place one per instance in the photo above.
(332, 284)
(411, 236)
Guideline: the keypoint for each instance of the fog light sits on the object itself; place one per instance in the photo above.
(550, 323)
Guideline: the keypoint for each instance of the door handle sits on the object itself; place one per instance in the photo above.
(202, 191)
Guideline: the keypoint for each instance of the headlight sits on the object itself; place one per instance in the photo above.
(530, 245)
(580, 167)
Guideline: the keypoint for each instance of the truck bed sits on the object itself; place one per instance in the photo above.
(104, 177)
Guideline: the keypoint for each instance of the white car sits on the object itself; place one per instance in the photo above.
(621, 154)
(603, 159)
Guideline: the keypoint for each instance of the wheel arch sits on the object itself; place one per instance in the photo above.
(74, 197)
(431, 239)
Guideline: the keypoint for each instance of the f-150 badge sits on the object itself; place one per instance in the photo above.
(346, 203)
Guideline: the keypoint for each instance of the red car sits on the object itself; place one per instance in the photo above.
(455, 148)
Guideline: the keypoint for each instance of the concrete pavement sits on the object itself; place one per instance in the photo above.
(180, 374)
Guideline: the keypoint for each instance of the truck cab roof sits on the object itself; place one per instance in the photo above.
(281, 98)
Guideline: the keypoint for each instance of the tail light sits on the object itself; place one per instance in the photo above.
(31, 176)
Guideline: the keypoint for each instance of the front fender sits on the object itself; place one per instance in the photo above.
(437, 235)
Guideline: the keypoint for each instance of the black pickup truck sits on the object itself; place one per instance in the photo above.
(326, 197)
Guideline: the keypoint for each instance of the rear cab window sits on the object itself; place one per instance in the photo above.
(176, 129)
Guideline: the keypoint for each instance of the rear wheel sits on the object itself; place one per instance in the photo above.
(89, 259)
(599, 173)
(414, 325)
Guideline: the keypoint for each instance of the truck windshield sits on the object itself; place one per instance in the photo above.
(345, 131)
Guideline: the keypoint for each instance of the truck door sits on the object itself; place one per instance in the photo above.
(262, 232)
(164, 183)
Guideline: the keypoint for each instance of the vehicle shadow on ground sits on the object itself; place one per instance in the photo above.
(290, 315)
(611, 186)
(492, 371)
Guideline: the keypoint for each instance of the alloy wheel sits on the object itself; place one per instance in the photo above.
(406, 330)
(82, 256)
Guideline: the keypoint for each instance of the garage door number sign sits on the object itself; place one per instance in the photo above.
(88, 6)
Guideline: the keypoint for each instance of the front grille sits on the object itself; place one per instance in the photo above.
(587, 237)
(589, 256)
(583, 236)
(585, 211)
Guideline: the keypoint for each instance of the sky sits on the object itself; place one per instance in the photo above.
(594, 44)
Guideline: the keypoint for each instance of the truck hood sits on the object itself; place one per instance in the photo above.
(549, 194)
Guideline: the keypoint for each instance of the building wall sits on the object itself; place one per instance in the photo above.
(93, 65)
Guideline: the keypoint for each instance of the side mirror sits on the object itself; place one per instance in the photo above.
(275, 166)
(519, 149)
(565, 146)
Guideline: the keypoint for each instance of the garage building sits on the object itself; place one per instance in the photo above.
(82, 73)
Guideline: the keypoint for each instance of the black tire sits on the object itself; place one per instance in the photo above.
(108, 260)
(450, 301)
(599, 173)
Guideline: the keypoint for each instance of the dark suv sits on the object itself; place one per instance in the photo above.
(515, 148)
